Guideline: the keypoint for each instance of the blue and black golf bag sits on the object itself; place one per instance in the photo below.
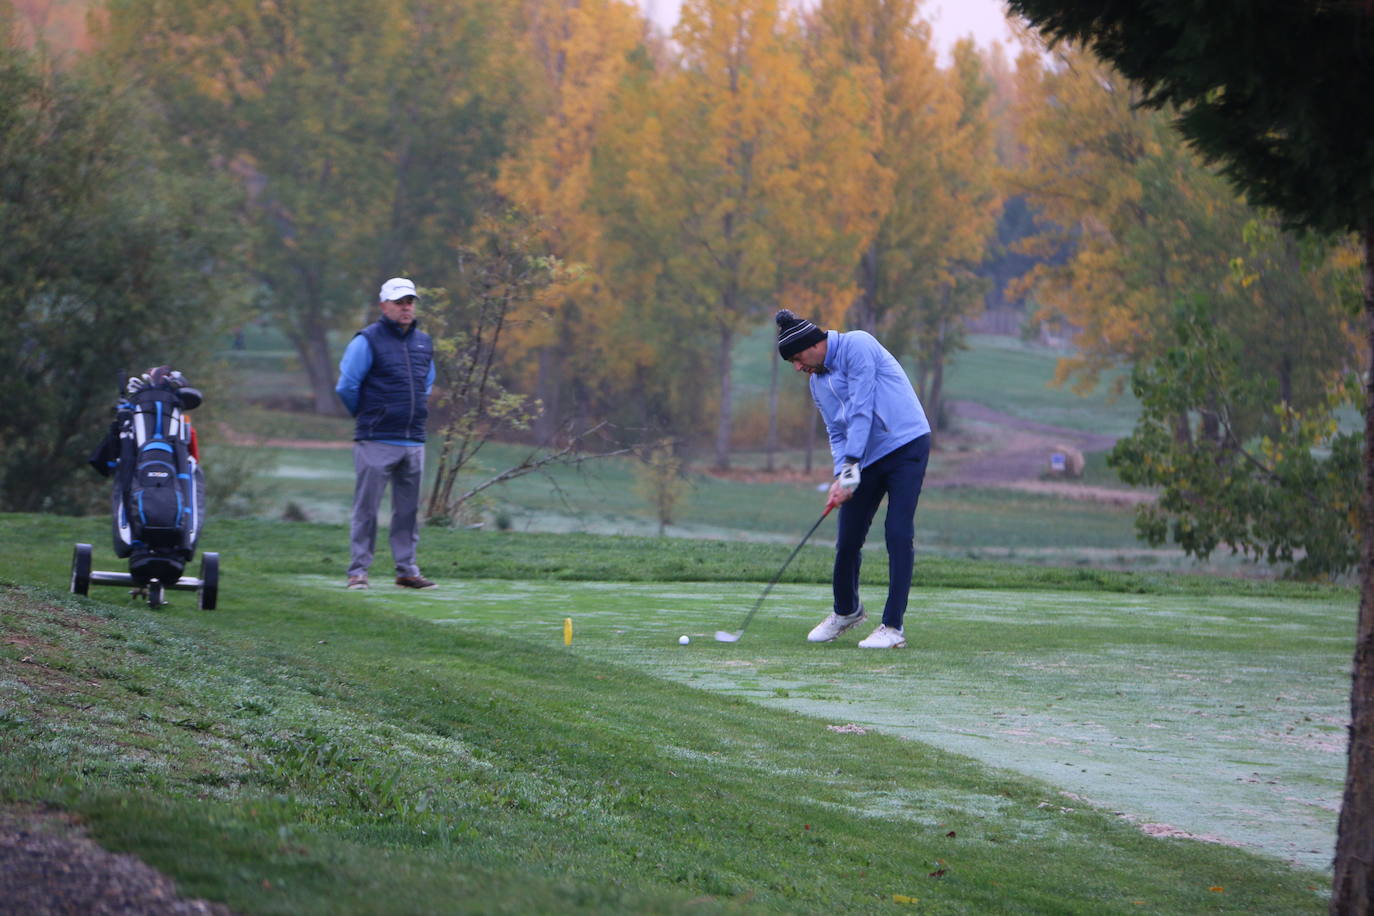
(158, 498)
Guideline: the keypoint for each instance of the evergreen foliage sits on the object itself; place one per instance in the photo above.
(1281, 94)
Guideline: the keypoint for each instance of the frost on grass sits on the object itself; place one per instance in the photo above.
(9, 689)
(928, 807)
(296, 472)
(686, 753)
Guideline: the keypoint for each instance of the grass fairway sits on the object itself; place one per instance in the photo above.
(309, 750)
(602, 498)
(1016, 377)
(1220, 717)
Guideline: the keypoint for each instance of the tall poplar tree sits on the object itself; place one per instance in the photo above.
(1145, 222)
(711, 166)
(583, 50)
(1281, 94)
(937, 331)
(843, 193)
(936, 205)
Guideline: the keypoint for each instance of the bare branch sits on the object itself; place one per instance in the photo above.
(563, 457)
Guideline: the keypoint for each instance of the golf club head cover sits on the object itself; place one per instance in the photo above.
(849, 475)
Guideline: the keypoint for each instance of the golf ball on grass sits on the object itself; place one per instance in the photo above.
(683, 640)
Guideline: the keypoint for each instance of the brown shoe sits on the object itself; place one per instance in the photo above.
(415, 581)
(357, 582)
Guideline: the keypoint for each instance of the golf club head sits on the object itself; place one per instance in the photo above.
(722, 636)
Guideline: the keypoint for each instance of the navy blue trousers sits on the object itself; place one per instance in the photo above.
(897, 475)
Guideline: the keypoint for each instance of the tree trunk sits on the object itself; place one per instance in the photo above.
(312, 346)
(811, 439)
(726, 401)
(771, 445)
(935, 410)
(863, 314)
(547, 389)
(1183, 430)
(1210, 431)
(1353, 882)
(402, 223)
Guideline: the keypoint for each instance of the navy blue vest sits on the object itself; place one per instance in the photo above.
(391, 399)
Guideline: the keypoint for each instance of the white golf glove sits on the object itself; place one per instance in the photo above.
(135, 383)
(849, 476)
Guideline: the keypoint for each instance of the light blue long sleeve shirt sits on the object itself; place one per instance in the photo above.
(865, 399)
(353, 368)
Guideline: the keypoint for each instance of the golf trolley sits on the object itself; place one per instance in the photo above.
(206, 585)
(158, 496)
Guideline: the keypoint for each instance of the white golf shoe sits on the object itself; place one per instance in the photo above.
(885, 637)
(834, 625)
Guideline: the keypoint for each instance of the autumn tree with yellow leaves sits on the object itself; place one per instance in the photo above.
(972, 202)
(722, 179)
(582, 50)
(933, 196)
(1240, 336)
(1086, 142)
(1150, 225)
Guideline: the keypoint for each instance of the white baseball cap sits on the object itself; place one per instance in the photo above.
(396, 288)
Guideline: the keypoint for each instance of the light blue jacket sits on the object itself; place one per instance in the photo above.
(865, 399)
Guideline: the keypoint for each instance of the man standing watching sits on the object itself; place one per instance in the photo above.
(880, 441)
(385, 377)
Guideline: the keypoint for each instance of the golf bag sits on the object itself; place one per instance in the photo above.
(158, 498)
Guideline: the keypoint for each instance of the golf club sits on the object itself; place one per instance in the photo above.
(725, 636)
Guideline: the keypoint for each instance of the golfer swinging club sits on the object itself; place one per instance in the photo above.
(880, 441)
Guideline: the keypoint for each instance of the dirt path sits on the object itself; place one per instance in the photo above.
(989, 448)
(49, 866)
(979, 413)
(1003, 448)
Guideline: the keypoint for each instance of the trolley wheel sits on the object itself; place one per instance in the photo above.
(81, 569)
(155, 594)
(208, 593)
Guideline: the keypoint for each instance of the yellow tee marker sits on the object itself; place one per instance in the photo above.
(567, 631)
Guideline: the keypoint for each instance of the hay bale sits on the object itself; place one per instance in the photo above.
(1065, 461)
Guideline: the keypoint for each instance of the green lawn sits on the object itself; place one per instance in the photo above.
(1014, 377)
(602, 497)
(1000, 372)
(307, 749)
(1220, 716)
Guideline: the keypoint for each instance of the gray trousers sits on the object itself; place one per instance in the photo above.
(376, 464)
